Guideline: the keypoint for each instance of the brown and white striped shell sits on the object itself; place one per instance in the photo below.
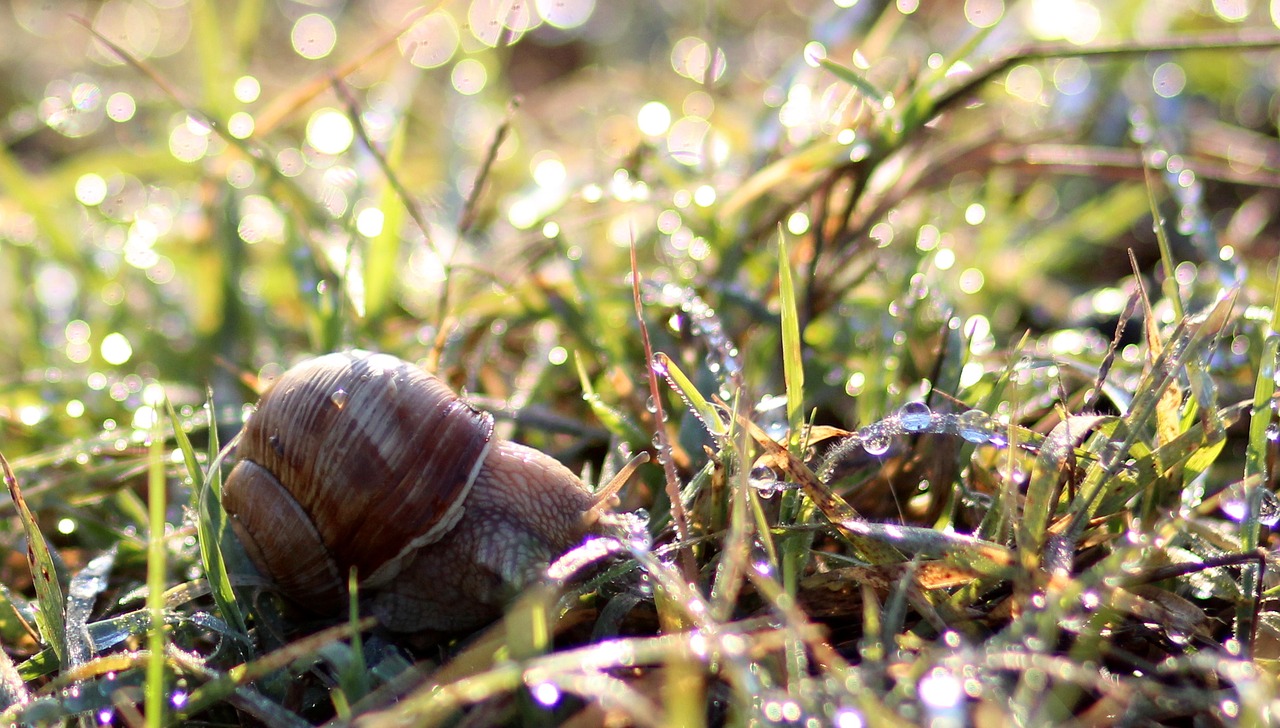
(365, 461)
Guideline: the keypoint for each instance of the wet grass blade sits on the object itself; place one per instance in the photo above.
(837, 511)
(1255, 466)
(1187, 342)
(614, 420)
(792, 361)
(1055, 462)
(855, 79)
(50, 617)
(156, 702)
(82, 592)
(305, 648)
(976, 555)
(210, 518)
(731, 572)
(13, 691)
(697, 404)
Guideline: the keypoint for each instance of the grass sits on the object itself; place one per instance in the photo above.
(954, 342)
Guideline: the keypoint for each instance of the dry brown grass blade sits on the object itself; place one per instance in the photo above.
(928, 574)
(812, 435)
(836, 510)
(678, 515)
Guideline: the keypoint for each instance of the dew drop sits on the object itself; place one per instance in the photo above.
(915, 416)
(974, 426)
(1269, 509)
(1235, 504)
(874, 442)
(762, 478)
(339, 398)
(763, 566)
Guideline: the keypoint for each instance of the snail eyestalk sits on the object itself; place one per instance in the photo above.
(607, 497)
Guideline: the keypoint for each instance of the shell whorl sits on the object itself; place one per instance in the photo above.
(379, 453)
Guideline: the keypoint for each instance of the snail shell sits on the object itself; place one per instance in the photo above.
(364, 461)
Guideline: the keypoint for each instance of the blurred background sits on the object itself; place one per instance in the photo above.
(194, 194)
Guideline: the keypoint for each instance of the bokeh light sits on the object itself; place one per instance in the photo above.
(115, 348)
(313, 36)
(247, 89)
(469, 76)
(654, 118)
(329, 131)
(91, 189)
(432, 41)
(565, 14)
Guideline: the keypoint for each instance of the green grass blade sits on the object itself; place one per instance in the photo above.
(210, 518)
(354, 676)
(1187, 342)
(50, 617)
(855, 79)
(697, 404)
(39, 202)
(792, 359)
(383, 251)
(209, 31)
(1167, 263)
(1056, 454)
(248, 26)
(155, 694)
(613, 419)
(1255, 465)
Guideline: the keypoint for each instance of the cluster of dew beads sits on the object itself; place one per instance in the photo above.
(722, 355)
(915, 418)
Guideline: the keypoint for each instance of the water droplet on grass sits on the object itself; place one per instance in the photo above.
(761, 478)
(915, 416)
(1235, 504)
(874, 441)
(974, 426)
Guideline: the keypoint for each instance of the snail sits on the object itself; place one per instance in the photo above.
(365, 461)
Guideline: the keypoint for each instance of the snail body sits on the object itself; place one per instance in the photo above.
(365, 461)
